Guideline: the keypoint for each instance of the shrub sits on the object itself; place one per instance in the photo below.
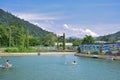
(11, 50)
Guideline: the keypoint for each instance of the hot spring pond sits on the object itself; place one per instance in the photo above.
(59, 67)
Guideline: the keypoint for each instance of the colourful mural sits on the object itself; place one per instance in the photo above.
(101, 48)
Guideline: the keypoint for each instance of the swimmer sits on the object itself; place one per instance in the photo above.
(74, 62)
(7, 64)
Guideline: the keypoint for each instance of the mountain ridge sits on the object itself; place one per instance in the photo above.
(8, 19)
(110, 37)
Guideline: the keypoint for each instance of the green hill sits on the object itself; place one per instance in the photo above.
(12, 28)
(9, 19)
(110, 37)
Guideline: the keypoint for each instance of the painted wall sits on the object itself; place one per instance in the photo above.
(106, 48)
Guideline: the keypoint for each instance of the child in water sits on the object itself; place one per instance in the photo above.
(7, 64)
(74, 62)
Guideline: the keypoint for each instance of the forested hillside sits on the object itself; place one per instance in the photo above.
(14, 29)
(110, 37)
(8, 19)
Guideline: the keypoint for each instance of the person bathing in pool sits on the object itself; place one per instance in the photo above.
(74, 62)
(7, 64)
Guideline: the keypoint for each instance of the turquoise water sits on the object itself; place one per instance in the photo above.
(59, 67)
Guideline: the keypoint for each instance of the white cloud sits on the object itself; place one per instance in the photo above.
(78, 32)
(70, 30)
(40, 25)
(104, 29)
(35, 16)
(66, 26)
(47, 22)
(89, 32)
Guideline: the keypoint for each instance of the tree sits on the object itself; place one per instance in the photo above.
(76, 42)
(21, 38)
(14, 35)
(111, 39)
(4, 36)
(33, 41)
(49, 40)
(64, 41)
(10, 38)
(88, 40)
(27, 39)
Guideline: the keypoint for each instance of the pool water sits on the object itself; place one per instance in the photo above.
(59, 67)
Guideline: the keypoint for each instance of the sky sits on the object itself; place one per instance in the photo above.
(75, 18)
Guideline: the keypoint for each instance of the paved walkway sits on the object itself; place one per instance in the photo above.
(99, 56)
(35, 53)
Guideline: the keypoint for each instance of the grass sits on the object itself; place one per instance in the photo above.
(15, 49)
(31, 49)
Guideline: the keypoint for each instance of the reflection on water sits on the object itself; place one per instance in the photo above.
(59, 67)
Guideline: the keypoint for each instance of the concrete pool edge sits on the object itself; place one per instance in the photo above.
(98, 56)
(34, 53)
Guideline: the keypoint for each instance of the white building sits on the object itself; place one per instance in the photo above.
(66, 44)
